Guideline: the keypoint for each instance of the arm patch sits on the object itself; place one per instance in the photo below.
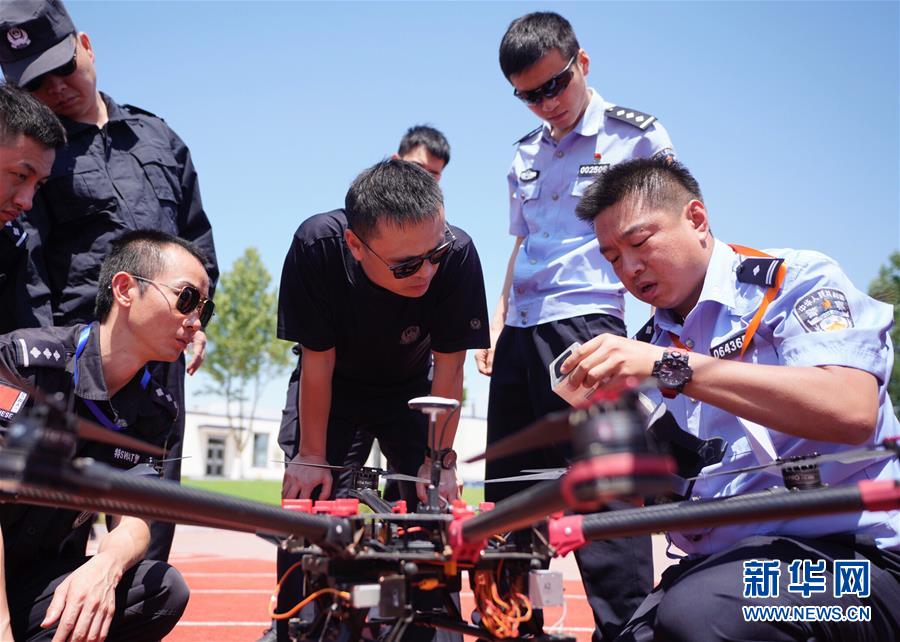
(824, 310)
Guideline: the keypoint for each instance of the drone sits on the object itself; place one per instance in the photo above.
(364, 573)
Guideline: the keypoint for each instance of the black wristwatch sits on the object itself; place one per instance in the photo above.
(672, 372)
(446, 456)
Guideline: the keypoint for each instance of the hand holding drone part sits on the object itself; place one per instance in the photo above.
(305, 473)
(434, 406)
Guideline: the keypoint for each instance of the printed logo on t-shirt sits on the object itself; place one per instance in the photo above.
(410, 334)
(475, 323)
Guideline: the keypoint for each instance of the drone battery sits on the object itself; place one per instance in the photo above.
(559, 382)
(545, 588)
(365, 596)
(392, 602)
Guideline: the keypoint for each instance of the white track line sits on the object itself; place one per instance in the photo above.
(571, 629)
(574, 598)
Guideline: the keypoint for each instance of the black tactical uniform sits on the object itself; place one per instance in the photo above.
(43, 545)
(12, 261)
(132, 173)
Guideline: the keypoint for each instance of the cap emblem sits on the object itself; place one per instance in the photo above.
(18, 38)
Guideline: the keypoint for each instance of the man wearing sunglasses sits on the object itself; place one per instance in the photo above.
(29, 136)
(375, 294)
(428, 148)
(558, 288)
(123, 169)
(153, 299)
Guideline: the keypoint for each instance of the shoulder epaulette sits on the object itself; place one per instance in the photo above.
(163, 397)
(137, 110)
(759, 271)
(14, 232)
(529, 134)
(631, 116)
(39, 353)
(645, 334)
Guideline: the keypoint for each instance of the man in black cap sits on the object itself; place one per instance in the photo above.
(154, 297)
(29, 136)
(123, 169)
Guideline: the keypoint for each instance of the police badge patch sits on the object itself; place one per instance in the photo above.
(824, 310)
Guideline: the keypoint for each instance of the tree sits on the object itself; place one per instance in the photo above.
(243, 352)
(886, 287)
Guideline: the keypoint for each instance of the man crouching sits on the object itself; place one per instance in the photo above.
(153, 297)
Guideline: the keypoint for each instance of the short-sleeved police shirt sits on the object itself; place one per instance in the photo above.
(383, 341)
(45, 358)
(559, 272)
(818, 318)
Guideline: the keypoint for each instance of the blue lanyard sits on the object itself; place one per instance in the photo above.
(95, 410)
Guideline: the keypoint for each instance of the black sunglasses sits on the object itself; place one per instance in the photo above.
(63, 70)
(189, 299)
(550, 89)
(407, 268)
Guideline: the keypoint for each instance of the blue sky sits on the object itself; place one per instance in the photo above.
(786, 112)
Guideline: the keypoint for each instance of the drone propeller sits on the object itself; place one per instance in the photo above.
(556, 428)
(889, 448)
(536, 475)
(90, 431)
(384, 474)
(552, 429)
(402, 477)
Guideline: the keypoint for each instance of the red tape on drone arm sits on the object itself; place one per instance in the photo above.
(463, 550)
(610, 466)
(566, 533)
(880, 494)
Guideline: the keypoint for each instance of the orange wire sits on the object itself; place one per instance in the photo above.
(273, 600)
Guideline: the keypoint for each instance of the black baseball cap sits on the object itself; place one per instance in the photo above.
(36, 36)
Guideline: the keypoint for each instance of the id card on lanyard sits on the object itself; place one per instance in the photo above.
(101, 417)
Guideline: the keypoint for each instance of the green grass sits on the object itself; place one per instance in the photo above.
(269, 492)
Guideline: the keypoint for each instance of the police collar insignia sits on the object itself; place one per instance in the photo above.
(11, 401)
(529, 175)
(824, 310)
(18, 38)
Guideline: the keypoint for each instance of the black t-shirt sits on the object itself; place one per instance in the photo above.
(383, 341)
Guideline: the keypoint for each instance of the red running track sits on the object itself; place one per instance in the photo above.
(229, 599)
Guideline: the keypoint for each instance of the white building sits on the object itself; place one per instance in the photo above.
(211, 448)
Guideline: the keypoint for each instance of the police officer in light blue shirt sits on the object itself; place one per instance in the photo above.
(777, 353)
(558, 289)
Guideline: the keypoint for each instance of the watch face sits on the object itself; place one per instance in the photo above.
(672, 371)
(669, 375)
(449, 459)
